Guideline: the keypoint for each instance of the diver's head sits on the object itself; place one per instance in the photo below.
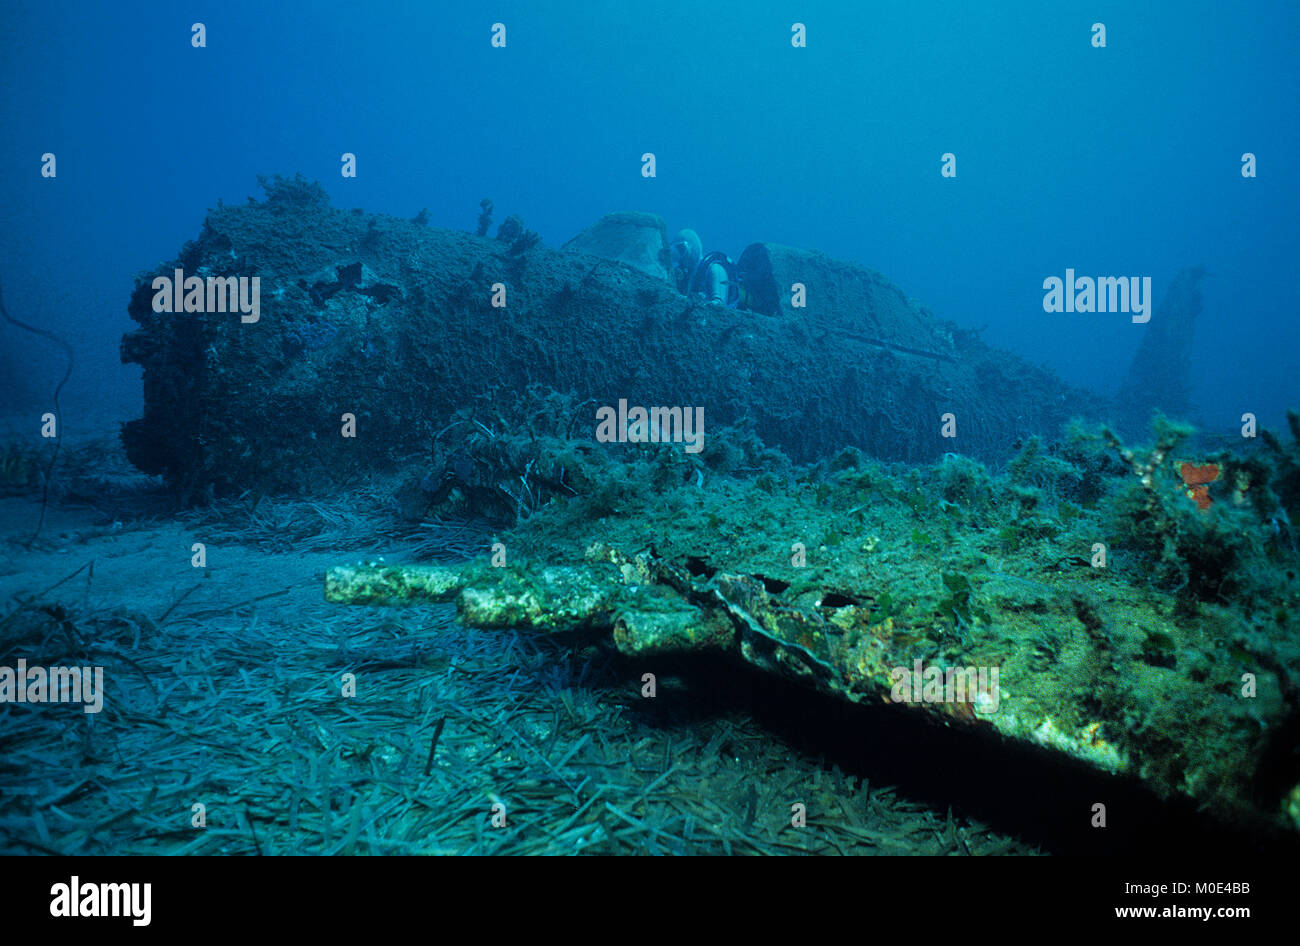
(686, 250)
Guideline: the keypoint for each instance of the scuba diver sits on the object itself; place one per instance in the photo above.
(714, 276)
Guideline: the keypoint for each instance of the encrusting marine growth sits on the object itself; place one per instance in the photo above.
(1131, 661)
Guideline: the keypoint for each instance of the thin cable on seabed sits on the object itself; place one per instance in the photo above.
(58, 431)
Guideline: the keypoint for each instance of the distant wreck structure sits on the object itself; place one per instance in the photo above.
(638, 239)
(373, 331)
(1160, 377)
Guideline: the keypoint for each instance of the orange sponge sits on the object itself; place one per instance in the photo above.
(1198, 480)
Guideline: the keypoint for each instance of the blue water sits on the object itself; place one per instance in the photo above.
(1116, 161)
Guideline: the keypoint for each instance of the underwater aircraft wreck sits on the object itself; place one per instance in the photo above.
(993, 620)
(1139, 604)
(400, 324)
